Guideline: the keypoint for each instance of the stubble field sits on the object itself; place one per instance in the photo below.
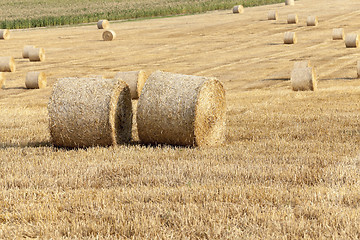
(288, 170)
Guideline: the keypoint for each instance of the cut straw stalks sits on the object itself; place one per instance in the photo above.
(4, 34)
(338, 34)
(303, 79)
(181, 110)
(85, 112)
(238, 9)
(35, 80)
(7, 64)
(103, 24)
(289, 2)
(26, 49)
(352, 40)
(36, 54)
(292, 19)
(290, 38)
(109, 35)
(272, 15)
(135, 80)
(312, 21)
(2, 80)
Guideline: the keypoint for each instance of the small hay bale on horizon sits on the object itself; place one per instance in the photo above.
(238, 9)
(25, 52)
(36, 54)
(303, 79)
(338, 34)
(35, 80)
(109, 35)
(292, 19)
(135, 79)
(103, 24)
(272, 15)
(290, 38)
(352, 40)
(289, 2)
(302, 64)
(312, 21)
(7, 64)
(4, 34)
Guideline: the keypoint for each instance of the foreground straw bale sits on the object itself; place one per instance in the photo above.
(7, 64)
(238, 9)
(4, 34)
(103, 24)
(290, 38)
(135, 80)
(312, 21)
(181, 110)
(109, 35)
(292, 19)
(272, 15)
(2, 79)
(338, 34)
(352, 40)
(36, 54)
(303, 79)
(35, 80)
(86, 112)
(289, 2)
(26, 49)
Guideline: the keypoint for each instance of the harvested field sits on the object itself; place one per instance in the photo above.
(290, 165)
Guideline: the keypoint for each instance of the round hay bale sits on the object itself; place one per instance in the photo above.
(292, 19)
(85, 112)
(302, 64)
(135, 79)
(272, 15)
(36, 54)
(238, 9)
(358, 69)
(103, 24)
(25, 52)
(312, 21)
(109, 35)
(2, 79)
(4, 34)
(182, 110)
(352, 40)
(290, 38)
(35, 80)
(7, 64)
(289, 2)
(303, 79)
(338, 34)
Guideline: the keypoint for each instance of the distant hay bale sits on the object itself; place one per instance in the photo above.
(238, 9)
(36, 54)
(135, 80)
(4, 34)
(289, 2)
(312, 21)
(292, 19)
(35, 80)
(338, 34)
(303, 79)
(272, 15)
(103, 24)
(85, 112)
(7, 64)
(290, 38)
(352, 40)
(181, 110)
(302, 64)
(109, 35)
(358, 69)
(2, 79)
(26, 49)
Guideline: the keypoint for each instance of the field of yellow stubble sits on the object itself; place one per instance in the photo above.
(289, 167)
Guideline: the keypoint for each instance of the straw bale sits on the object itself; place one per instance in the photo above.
(289, 2)
(4, 34)
(338, 34)
(302, 64)
(312, 21)
(238, 9)
(290, 38)
(352, 40)
(272, 15)
(36, 54)
(35, 80)
(181, 110)
(7, 64)
(109, 35)
(2, 79)
(135, 80)
(303, 79)
(292, 19)
(25, 52)
(86, 112)
(358, 69)
(103, 24)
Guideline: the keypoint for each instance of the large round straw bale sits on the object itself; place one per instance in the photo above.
(302, 64)
(289, 2)
(312, 21)
(2, 79)
(292, 19)
(103, 24)
(7, 64)
(86, 112)
(135, 80)
(290, 38)
(303, 79)
(272, 15)
(338, 34)
(181, 110)
(4, 34)
(358, 69)
(109, 35)
(352, 40)
(35, 80)
(238, 9)
(36, 54)
(25, 52)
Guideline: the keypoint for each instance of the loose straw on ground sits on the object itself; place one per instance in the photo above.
(292, 19)
(312, 21)
(238, 9)
(26, 49)
(352, 40)
(103, 24)
(2, 79)
(289, 2)
(36, 54)
(109, 35)
(135, 80)
(272, 15)
(303, 79)
(7, 64)
(181, 110)
(35, 80)
(338, 34)
(4, 34)
(86, 112)
(290, 38)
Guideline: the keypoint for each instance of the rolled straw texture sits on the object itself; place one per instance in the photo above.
(312, 21)
(36, 54)
(358, 69)
(86, 112)
(103, 24)
(292, 19)
(135, 80)
(272, 15)
(35, 80)
(302, 64)
(303, 79)
(290, 38)
(26, 49)
(289, 2)
(238, 9)
(338, 34)
(181, 110)
(4, 34)
(7, 64)
(2, 79)
(109, 35)
(352, 40)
